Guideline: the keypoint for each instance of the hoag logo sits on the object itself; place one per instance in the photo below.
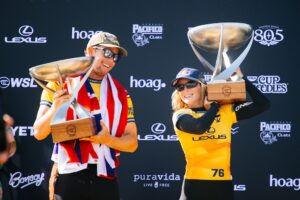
(268, 35)
(82, 34)
(156, 84)
(285, 182)
(17, 82)
(26, 33)
(142, 33)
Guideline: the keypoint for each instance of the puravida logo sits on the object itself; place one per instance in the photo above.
(163, 180)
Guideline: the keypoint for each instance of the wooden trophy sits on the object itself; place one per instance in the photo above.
(226, 84)
(61, 129)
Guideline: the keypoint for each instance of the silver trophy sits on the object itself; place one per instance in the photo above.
(226, 85)
(60, 71)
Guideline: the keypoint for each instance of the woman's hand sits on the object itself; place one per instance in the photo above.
(103, 136)
(207, 103)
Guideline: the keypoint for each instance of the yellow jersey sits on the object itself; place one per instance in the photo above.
(208, 155)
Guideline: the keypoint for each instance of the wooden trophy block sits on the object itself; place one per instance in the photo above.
(227, 91)
(73, 129)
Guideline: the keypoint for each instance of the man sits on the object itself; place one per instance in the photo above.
(86, 166)
(7, 150)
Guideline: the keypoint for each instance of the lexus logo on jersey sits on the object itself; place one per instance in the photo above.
(26, 30)
(158, 128)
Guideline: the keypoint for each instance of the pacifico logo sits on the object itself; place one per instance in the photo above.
(142, 33)
(82, 34)
(285, 182)
(271, 132)
(6, 82)
(158, 129)
(269, 84)
(268, 35)
(26, 33)
(156, 84)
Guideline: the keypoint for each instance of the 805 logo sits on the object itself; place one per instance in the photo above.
(268, 35)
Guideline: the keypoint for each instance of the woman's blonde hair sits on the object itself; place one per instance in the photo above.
(176, 101)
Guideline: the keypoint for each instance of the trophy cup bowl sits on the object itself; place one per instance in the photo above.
(61, 129)
(59, 70)
(207, 36)
(226, 85)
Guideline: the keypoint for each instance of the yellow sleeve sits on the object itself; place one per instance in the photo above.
(130, 110)
(47, 97)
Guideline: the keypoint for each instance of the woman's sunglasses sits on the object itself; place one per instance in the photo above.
(188, 85)
(108, 53)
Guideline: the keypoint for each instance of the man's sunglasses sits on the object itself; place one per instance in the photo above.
(188, 85)
(108, 53)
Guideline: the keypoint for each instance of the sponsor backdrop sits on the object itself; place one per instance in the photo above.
(265, 149)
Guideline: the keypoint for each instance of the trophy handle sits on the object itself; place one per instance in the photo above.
(219, 60)
(42, 84)
(59, 77)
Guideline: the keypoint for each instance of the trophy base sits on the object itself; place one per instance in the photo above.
(74, 129)
(226, 92)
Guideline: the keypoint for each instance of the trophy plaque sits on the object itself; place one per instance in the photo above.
(226, 84)
(59, 71)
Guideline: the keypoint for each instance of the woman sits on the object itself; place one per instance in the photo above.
(204, 131)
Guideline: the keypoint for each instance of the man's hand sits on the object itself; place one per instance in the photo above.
(60, 97)
(103, 136)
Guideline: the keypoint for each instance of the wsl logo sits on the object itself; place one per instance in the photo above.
(268, 35)
(158, 129)
(155, 84)
(142, 33)
(26, 32)
(271, 132)
(17, 82)
(269, 84)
